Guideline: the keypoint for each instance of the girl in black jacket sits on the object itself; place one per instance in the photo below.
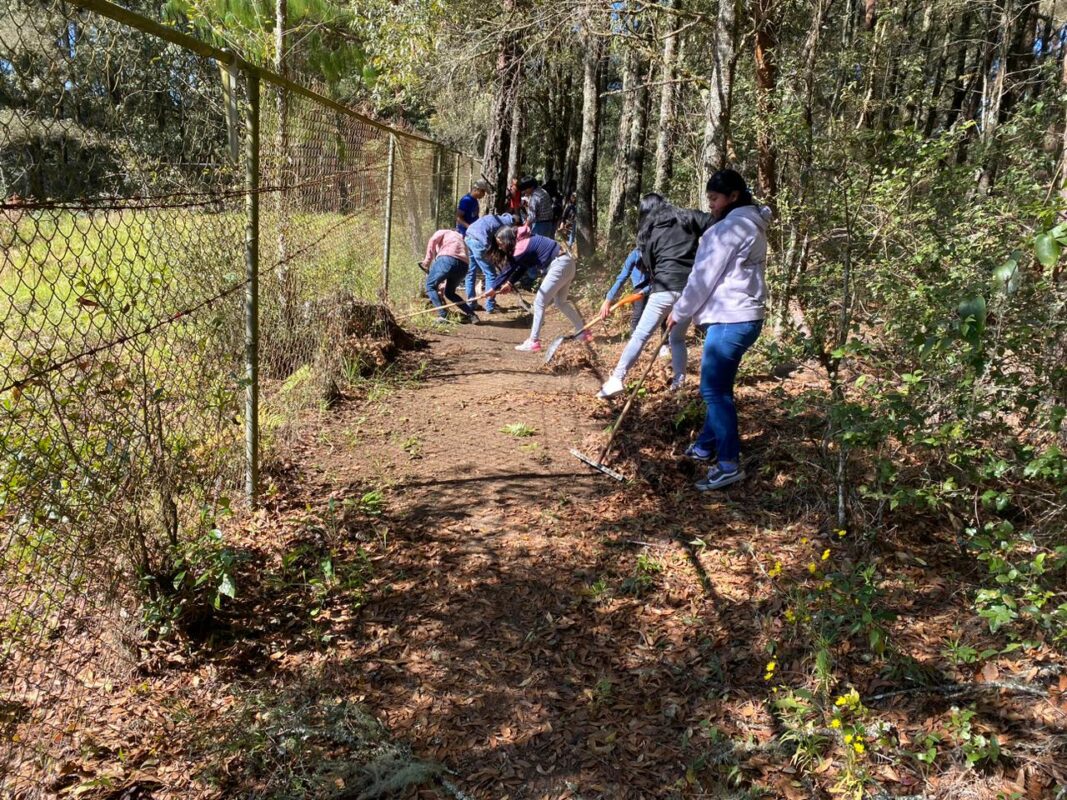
(667, 237)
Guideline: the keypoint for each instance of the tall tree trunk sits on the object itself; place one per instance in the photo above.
(574, 141)
(1063, 151)
(498, 138)
(720, 94)
(514, 137)
(585, 184)
(766, 25)
(993, 95)
(635, 159)
(616, 234)
(666, 101)
(560, 125)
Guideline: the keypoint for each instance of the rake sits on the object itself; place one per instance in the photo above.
(598, 464)
(441, 307)
(630, 299)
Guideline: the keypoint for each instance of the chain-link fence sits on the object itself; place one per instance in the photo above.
(178, 231)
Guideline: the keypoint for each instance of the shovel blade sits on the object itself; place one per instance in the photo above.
(552, 348)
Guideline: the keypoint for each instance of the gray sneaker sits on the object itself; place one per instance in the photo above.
(717, 478)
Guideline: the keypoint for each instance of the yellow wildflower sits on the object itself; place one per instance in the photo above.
(826, 554)
(776, 570)
(848, 738)
(842, 532)
(790, 616)
(835, 723)
(812, 568)
(804, 540)
(858, 747)
(841, 700)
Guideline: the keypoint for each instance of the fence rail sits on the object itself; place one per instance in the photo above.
(180, 230)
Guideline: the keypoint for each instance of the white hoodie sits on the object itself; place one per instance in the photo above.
(727, 282)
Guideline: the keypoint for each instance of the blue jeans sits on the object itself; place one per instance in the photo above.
(450, 270)
(544, 228)
(724, 345)
(478, 262)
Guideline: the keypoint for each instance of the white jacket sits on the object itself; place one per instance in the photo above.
(727, 283)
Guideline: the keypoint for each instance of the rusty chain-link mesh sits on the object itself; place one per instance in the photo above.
(122, 333)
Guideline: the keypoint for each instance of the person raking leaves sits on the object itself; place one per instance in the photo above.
(725, 296)
(446, 260)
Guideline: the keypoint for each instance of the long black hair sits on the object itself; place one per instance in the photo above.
(726, 182)
(653, 206)
(501, 245)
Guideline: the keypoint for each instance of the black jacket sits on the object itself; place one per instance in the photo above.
(672, 246)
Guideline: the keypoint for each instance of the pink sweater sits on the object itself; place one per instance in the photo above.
(446, 242)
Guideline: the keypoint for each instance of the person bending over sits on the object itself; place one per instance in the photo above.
(540, 255)
(667, 238)
(446, 260)
(479, 240)
(725, 295)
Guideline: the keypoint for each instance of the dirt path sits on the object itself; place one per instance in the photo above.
(533, 625)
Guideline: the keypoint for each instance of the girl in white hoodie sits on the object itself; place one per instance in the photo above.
(725, 296)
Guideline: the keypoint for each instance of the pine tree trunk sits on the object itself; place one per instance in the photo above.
(993, 97)
(766, 82)
(720, 95)
(514, 139)
(616, 229)
(1063, 151)
(498, 138)
(666, 103)
(585, 184)
(635, 159)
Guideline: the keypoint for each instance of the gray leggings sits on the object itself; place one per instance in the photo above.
(554, 287)
(656, 310)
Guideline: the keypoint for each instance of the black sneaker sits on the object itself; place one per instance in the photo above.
(471, 319)
(717, 478)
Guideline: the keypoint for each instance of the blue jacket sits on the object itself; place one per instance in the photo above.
(484, 227)
(631, 268)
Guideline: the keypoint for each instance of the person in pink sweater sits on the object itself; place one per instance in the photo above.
(446, 260)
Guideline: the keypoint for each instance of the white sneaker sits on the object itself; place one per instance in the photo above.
(677, 383)
(529, 346)
(612, 386)
(664, 352)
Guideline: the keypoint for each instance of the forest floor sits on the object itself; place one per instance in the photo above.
(439, 596)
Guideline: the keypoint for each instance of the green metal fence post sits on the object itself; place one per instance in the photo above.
(252, 292)
(388, 217)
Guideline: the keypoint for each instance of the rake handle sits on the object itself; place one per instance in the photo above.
(630, 299)
(442, 307)
(632, 397)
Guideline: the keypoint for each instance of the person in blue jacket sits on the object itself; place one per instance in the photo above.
(479, 241)
(631, 270)
(539, 255)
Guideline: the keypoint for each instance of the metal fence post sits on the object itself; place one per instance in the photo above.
(455, 186)
(435, 200)
(252, 292)
(388, 217)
